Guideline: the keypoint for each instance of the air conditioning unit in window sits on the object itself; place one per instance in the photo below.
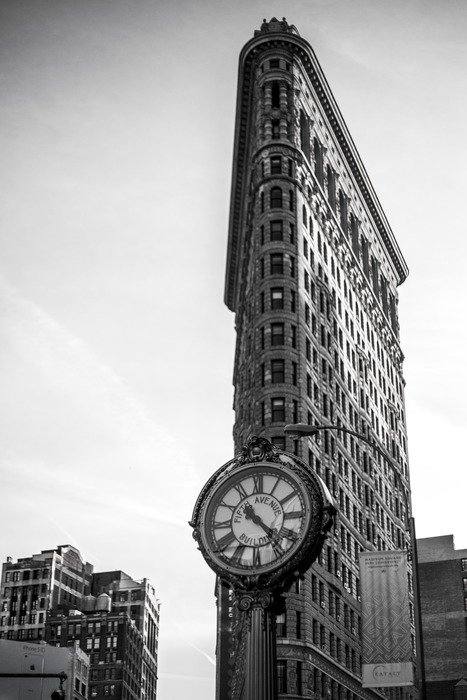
(338, 574)
(354, 631)
(359, 598)
(338, 618)
(323, 604)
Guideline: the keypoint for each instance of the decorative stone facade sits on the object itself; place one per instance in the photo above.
(312, 275)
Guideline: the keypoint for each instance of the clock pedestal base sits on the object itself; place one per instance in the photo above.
(260, 680)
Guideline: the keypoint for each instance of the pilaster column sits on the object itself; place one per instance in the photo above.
(260, 612)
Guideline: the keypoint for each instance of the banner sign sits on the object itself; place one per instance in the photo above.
(387, 645)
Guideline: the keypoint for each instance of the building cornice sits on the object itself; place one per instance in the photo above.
(303, 51)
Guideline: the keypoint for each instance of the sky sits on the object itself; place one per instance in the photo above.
(116, 350)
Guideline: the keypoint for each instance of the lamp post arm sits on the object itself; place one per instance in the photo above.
(299, 430)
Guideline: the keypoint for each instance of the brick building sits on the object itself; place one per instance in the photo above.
(114, 645)
(35, 585)
(55, 596)
(312, 274)
(443, 601)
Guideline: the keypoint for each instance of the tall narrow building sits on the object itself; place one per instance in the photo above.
(312, 274)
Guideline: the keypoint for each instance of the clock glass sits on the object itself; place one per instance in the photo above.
(256, 519)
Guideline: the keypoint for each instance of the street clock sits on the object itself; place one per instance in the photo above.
(262, 518)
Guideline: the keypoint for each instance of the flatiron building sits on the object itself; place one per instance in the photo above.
(312, 274)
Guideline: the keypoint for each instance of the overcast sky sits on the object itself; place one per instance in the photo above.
(116, 351)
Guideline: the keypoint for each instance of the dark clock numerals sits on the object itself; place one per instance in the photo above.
(256, 557)
(275, 486)
(287, 498)
(277, 548)
(238, 554)
(294, 514)
(257, 521)
(226, 505)
(241, 491)
(223, 523)
(225, 541)
(258, 483)
(288, 534)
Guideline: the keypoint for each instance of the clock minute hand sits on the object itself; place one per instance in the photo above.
(251, 515)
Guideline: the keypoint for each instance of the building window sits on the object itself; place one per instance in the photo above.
(305, 134)
(276, 132)
(275, 94)
(275, 198)
(464, 564)
(274, 63)
(277, 333)
(281, 627)
(298, 625)
(282, 677)
(277, 264)
(276, 230)
(278, 410)
(292, 301)
(278, 441)
(292, 266)
(299, 677)
(277, 298)
(277, 371)
(276, 165)
(293, 338)
(331, 178)
(319, 164)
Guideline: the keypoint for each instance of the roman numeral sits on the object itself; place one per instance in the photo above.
(258, 483)
(287, 498)
(288, 534)
(294, 514)
(275, 486)
(241, 491)
(277, 549)
(225, 541)
(226, 505)
(223, 523)
(256, 557)
(238, 554)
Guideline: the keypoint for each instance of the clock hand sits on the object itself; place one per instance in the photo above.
(251, 515)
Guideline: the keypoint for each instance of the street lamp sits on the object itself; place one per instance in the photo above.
(300, 430)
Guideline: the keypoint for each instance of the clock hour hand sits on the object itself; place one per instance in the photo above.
(251, 515)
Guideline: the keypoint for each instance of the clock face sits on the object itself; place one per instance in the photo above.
(256, 519)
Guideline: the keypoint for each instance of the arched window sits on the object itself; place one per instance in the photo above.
(276, 198)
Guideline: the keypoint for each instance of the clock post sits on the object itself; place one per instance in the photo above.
(260, 521)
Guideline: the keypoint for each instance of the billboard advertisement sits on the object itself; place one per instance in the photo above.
(387, 659)
(29, 658)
